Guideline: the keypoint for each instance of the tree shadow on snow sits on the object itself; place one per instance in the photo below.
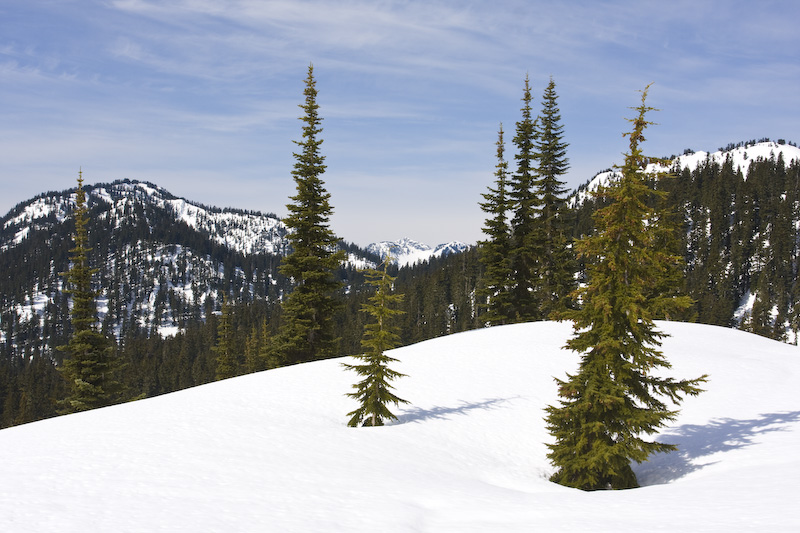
(695, 442)
(415, 414)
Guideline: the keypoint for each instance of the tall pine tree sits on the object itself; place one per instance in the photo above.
(494, 251)
(90, 367)
(613, 400)
(556, 265)
(526, 238)
(307, 331)
(374, 391)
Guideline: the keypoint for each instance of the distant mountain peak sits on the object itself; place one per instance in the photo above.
(407, 251)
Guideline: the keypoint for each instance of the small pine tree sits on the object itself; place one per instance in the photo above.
(226, 360)
(307, 331)
(90, 367)
(265, 352)
(374, 391)
(494, 251)
(257, 349)
(252, 362)
(613, 399)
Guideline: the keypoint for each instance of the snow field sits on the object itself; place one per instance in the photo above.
(271, 451)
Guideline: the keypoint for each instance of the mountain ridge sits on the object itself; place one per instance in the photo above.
(741, 154)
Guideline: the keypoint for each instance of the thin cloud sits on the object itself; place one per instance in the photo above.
(408, 90)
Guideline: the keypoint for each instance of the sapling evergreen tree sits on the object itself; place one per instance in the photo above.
(307, 329)
(265, 352)
(226, 359)
(374, 391)
(494, 251)
(90, 367)
(614, 400)
(252, 361)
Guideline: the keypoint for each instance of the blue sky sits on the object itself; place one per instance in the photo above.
(200, 96)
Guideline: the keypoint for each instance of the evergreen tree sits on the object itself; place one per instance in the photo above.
(613, 399)
(265, 354)
(374, 391)
(226, 360)
(307, 331)
(257, 348)
(526, 238)
(494, 251)
(90, 367)
(556, 265)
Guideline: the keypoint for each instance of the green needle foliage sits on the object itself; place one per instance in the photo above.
(90, 367)
(307, 331)
(494, 251)
(227, 361)
(374, 391)
(613, 400)
(526, 232)
(556, 262)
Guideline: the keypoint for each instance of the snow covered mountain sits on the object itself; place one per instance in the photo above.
(239, 231)
(163, 259)
(407, 251)
(742, 155)
(259, 453)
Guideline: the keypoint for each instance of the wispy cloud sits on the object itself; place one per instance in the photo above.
(410, 90)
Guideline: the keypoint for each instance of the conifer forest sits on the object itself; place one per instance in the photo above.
(170, 304)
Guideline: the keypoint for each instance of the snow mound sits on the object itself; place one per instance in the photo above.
(271, 451)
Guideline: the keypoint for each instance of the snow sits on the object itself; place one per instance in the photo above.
(602, 179)
(243, 232)
(271, 451)
(407, 252)
(740, 157)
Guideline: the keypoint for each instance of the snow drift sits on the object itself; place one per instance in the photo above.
(271, 451)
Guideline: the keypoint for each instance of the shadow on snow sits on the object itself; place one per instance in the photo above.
(697, 441)
(415, 414)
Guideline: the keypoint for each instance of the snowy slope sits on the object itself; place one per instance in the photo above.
(271, 452)
(407, 251)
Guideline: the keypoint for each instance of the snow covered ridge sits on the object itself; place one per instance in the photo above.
(259, 453)
(239, 231)
(741, 157)
(407, 251)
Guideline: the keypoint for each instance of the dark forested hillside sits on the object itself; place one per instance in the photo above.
(740, 213)
(165, 265)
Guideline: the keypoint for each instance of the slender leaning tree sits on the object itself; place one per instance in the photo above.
(614, 401)
(90, 367)
(307, 330)
(374, 392)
